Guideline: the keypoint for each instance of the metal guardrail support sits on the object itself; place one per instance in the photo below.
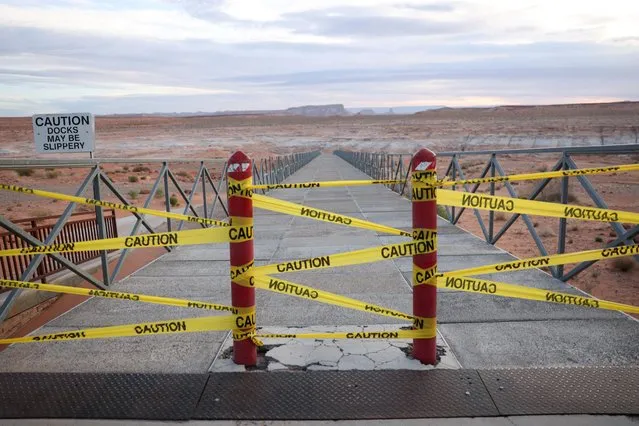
(275, 171)
(392, 166)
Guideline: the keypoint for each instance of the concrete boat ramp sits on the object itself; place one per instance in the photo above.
(492, 348)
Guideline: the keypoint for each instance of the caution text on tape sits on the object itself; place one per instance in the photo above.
(544, 175)
(325, 184)
(298, 290)
(187, 325)
(108, 204)
(273, 204)
(553, 260)
(162, 239)
(538, 208)
(110, 294)
(356, 257)
(475, 285)
(391, 334)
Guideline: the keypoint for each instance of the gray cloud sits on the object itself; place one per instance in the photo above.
(277, 74)
(430, 7)
(208, 10)
(361, 23)
(542, 61)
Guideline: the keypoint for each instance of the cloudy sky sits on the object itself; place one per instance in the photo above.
(209, 55)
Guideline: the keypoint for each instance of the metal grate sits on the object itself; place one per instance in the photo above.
(106, 396)
(337, 395)
(584, 390)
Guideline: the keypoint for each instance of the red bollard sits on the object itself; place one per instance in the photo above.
(240, 206)
(424, 202)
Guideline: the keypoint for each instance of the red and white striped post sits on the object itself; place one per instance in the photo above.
(240, 207)
(424, 203)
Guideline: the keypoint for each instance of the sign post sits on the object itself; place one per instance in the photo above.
(64, 133)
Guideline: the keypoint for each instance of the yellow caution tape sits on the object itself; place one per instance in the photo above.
(543, 261)
(108, 294)
(423, 193)
(236, 271)
(277, 285)
(108, 204)
(162, 239)
(240, 188)
(417, 177)
(424, 276)
(538, 208)
(393, 334)
(241, 221)
(424, 234)
(423, 186)
(474, 285)
(293, 209)
(373, 254)
(326, 184)
(544, 175)
(187, 325)
(245, 322)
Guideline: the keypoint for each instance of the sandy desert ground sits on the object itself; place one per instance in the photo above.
(444, 130)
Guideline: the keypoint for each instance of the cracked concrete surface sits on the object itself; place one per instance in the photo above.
(335, 354)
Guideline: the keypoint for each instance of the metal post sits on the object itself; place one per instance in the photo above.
(561, 239)
(204, 202)
(239, 175)
(167, 197)
(424, 175)
(491, 214)
(99, 218)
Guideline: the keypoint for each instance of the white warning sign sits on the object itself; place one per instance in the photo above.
(58, 133)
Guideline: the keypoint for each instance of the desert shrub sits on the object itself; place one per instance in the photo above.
(441, 212)
(25, 172)
(574, 228)
(125, 168)
(133, 179)
(595, 273)
(598, 239)
(500, 216)
(159, 193)
(623, 264)
(546, 232)
(551, 193)
(138, 169)
(183, 174)
(143, 177)
(41, 213)
(52, 174)
(174, 201)
(133, 194)
(472, 163)
(542, 168)
(145, 191)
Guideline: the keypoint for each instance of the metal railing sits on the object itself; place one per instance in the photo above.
(207, 183)
(81, 227)
(397, 167)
